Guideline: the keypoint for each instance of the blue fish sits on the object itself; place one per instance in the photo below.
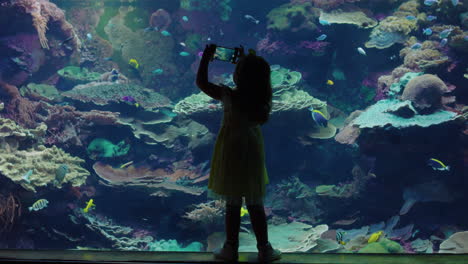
(427, 31)
(27, 175)
(443, 42)
(430, 2)
(319, 117)
(437, 165)
(185, 18)
(184, 53)
(416, 45)
(321, 37)
(324, 22)
(409, 17)
(165, 33)
(107, 58)
(431, 18)
(157, 71)
(445, 33)
(454, 2)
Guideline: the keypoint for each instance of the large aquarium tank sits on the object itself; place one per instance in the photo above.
(106, 140)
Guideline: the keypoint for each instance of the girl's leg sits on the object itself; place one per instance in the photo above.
(233, 219)
(259, 224)
(229, 251)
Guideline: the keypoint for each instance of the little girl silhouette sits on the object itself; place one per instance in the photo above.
(238, 162)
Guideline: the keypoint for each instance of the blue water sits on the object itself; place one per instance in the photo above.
(108, 92)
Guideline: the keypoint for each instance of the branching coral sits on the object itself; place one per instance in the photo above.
(207, 213)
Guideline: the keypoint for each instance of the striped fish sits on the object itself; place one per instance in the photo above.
(38, 205)
(339, 237)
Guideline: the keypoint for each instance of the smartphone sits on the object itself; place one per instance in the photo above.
(227, 54)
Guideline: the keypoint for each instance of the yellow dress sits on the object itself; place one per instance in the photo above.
(238, 161)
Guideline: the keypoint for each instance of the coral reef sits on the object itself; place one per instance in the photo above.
(120, 237)
(425, 93)
(103, 148)
(43, 162)
(293, 18)
(354, 17)
(160, 19)
(159, 182)
(383, 246)
(222, 7)
(396, 28)
(103, 93)
(297, 199)
(10, 212)
(305, 237)
(41, 92)
(455, 244)
(207, 214)
(71, 76)
(44, 13)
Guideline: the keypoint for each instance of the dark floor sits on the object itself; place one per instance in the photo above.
(81, 256)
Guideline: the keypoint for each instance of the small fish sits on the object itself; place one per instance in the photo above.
(221, 32)
(455, 2)
(319, 118)
(410, 17)
(243, 212)
(339, 237)
(392, 57)
(437, 165)
(321, 37)
(427, 31)
(182, 44)
(89, 36)
(430, 2)
(431, 18)
(324, 22)
(361, 51)
(60, 173)
(200, 54)
(27, 175)
(126, 164)
(165, 33)
(89, 204)
(445, 33)
(134, 63)
(38, 205)
(416, 45)
(375, 237)
(184, 53)
(330, 82)
(107, 58)
(157, 71)
(185, 18)
(251, 18)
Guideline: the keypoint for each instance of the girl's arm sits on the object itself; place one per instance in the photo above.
(211, 89)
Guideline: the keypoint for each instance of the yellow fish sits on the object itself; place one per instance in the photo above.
(134, 63)
(375, 237)
(243, 211)
(137, 104)
(89, 205)
(330, 82)
(38, 205)
(126, 164)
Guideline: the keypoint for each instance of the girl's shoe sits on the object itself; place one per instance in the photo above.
(229, 252)
(267, 253)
